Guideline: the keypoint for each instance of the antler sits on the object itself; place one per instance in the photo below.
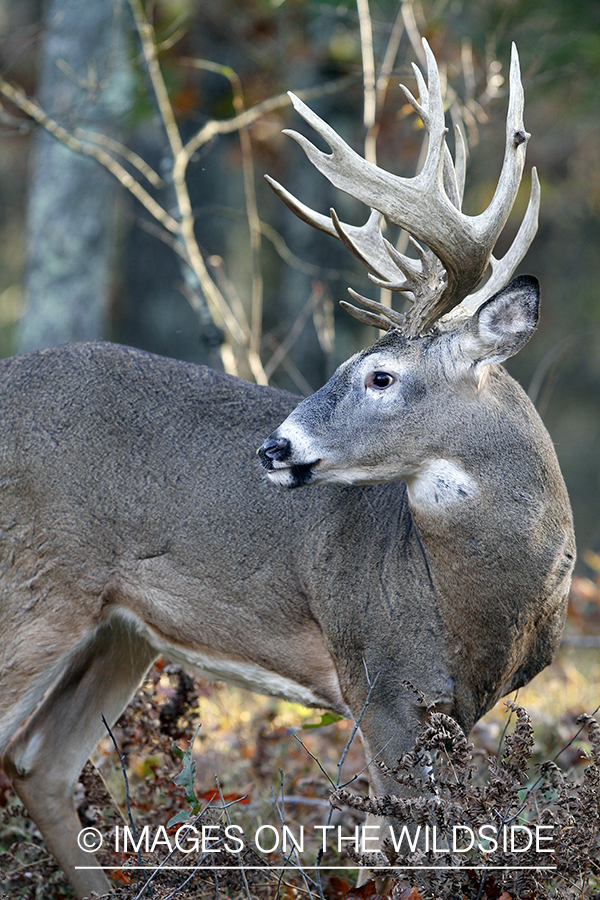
(458, 247)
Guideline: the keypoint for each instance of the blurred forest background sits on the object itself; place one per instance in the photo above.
(80, 258)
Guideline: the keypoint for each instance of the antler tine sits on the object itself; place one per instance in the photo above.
(308, 215)
(502, 269)
(400, 199)
(411, 269)
(451, 174)
(365, 317)
(488, 225)
(385, 317)
(460, 163)
(424, 281)
(365, 241)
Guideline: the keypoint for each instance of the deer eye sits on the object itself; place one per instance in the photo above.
(379, 380)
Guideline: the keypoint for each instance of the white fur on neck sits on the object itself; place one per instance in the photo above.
(439, 485)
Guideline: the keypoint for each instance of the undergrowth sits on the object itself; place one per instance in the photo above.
(470, 824)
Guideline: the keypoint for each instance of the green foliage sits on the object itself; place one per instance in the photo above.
(326, 719)
(186, 779)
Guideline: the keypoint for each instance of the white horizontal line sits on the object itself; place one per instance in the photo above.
(131, 868)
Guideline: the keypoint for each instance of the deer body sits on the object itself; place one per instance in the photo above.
(134, 521)
(430, 546)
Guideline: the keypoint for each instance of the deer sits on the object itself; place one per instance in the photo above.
(430, 544)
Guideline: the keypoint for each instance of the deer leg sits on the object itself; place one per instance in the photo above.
(45, 757)
(379, 784)
(389, 728)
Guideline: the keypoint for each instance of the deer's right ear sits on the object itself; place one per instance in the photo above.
(503, 324)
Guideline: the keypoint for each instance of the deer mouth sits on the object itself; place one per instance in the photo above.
(290, 476)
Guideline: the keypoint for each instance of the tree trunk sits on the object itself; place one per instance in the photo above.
(85, 82)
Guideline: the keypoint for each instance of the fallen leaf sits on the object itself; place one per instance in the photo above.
(409, 894)
(369, 891)
(121, 877)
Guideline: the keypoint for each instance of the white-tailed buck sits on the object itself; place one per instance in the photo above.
(135, 520)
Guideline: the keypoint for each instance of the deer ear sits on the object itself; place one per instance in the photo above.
(503, 324)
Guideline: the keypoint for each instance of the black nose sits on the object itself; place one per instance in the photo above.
(274, 450)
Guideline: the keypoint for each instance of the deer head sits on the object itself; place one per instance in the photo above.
(459, 321)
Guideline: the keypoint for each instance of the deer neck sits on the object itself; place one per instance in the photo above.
(477, 532)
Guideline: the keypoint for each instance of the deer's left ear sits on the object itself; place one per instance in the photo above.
(503, 324)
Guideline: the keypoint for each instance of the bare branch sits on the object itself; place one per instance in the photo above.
(412, 30)
(251, 208)
(294, 332)
(383, 79)
(227, 126)
(368, 68)
(293, 261)
(35, 111)
(215, 300)
(103, 140)
(146, 33)
(381, 86)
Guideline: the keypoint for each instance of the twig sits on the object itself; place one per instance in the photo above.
(228, 817)
(227, 289)
(132, 158)
(295, 331)
(366, 766)
(185, 828)
(412, 30)
(293, 852)
(227, 126)
(375, 91)
(341, 763)
(146, 34)
(389, 59)
(542, 778)
(505, 729)
(381, 86)
(280, 809)
(581, 640)
(293, 371)
(368, 68)
(358, 721)
(252, 213)
(312, 756)
(182, 885)
(91, 84)
(35, 111)
(214, 298)
(126, 780)
(249, 190)
(548, 365)
(174, 33)
(284, 252)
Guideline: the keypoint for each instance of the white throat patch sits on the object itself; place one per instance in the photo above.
(438, 485)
